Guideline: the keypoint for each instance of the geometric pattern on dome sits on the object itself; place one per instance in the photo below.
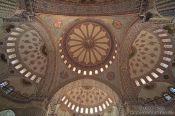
(25, 52)
(148, 52)
(88, 47)
(152, 53)
(86, 100)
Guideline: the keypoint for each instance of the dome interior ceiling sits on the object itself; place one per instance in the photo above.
(85, 57)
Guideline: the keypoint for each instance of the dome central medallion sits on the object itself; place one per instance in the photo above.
(88, 43)
(88, 47)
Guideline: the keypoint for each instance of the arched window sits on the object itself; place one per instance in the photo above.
(5, 88)
(3, 84)
(7, 113)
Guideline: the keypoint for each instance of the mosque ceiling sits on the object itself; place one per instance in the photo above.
(119, 51)
(91, 47)
(87, 57)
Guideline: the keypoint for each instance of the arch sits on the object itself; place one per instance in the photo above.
(87, 82)
(114, 111)
(49, 39)
(66, 95)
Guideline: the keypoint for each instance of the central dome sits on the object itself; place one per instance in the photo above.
(88, 45)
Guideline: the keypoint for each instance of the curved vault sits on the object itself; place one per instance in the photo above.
(152, 52)
(86, 97)
(26, 52)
